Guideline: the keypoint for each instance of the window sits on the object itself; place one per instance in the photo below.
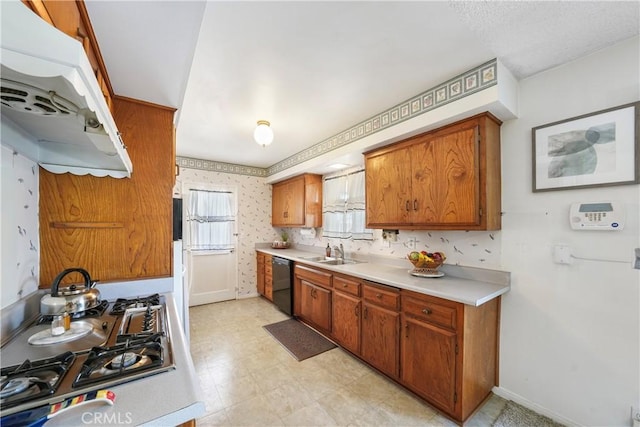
(343, 207)
(211, 220)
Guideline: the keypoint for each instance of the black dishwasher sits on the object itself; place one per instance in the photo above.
(282, 289)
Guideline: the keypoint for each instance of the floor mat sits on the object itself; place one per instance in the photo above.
(514, 415)
(299, 340)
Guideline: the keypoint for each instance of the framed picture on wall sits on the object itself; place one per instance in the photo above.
(592, 150)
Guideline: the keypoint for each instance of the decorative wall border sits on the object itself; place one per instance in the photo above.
(213, 166)
(460, 86)
(463, 85)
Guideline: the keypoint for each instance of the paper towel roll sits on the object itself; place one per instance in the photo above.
(308, 232)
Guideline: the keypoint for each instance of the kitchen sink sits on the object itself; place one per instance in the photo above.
(339, 261)
(332, 261)
(317, 258)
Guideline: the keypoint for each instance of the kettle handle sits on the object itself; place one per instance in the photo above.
(56, 282)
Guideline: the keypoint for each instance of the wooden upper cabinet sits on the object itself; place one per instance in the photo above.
(388, 187)
(447, 179)
(116, 229)
(297, 202)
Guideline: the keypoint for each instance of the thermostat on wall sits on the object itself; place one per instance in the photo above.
(597, 216)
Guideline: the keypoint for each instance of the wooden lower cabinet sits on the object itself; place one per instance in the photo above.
(315, 304)
(264, 282)
(346, 313)
(449, 351)
(312, 297)
(260, 273)
(380, 328)
(268, 278)
(444, 351)
(429, 362)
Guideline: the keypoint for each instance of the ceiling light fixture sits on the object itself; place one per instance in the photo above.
(263, 133)
(339, 166)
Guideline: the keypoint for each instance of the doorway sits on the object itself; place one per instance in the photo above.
(210, 222)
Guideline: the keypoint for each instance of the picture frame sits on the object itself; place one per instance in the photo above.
(592, 150)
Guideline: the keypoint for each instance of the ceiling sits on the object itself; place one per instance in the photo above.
(314, 69)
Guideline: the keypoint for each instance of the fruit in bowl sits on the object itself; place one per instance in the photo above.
(426, 260)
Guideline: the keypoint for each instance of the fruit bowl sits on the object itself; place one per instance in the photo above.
(426, 262)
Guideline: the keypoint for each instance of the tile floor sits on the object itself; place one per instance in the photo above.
(249, 379)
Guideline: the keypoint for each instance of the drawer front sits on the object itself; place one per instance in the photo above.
(268, 269)
(431, 311)
(317, 277)
(381, 295)
(349, 286)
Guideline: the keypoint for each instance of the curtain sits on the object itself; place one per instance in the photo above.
(211, 219)
(343, 207)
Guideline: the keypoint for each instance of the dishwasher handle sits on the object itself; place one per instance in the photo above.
(280, 261)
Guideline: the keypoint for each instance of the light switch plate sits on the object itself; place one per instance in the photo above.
(562, 254)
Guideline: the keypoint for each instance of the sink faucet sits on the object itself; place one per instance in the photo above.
(339, 251)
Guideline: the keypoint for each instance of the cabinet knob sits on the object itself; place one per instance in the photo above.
(426, 311)
(379, 296)
(344, 285)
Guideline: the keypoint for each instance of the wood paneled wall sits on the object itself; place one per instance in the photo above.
(116, 229)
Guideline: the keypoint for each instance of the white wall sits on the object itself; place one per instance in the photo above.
(570, 333)
(254, 218)
(20, 231)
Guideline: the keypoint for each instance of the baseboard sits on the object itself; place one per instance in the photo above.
(506, 394)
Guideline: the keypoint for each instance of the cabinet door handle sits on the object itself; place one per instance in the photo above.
(406, 330)
(415, 204)
(406, 206)
(365, 312)
(356, 310)
(426, 311)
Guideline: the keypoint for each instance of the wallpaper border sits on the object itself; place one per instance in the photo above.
(479, 78)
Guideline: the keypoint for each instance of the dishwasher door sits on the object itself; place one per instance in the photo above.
(282, 273)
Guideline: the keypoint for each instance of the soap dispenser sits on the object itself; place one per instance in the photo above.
(328, 250)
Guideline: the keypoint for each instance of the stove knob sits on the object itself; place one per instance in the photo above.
(105, 325)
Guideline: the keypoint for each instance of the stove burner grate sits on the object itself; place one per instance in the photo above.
(121, 360)
(33, 380)
(122, 304)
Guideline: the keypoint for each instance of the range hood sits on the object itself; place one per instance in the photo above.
(53, 110)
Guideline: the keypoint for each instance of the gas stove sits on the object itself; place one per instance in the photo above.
(127, 344)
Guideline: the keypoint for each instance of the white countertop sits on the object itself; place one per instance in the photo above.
(165, 399)
(468, 285)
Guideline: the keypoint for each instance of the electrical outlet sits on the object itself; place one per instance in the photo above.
(411, 242)
(635, 413)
